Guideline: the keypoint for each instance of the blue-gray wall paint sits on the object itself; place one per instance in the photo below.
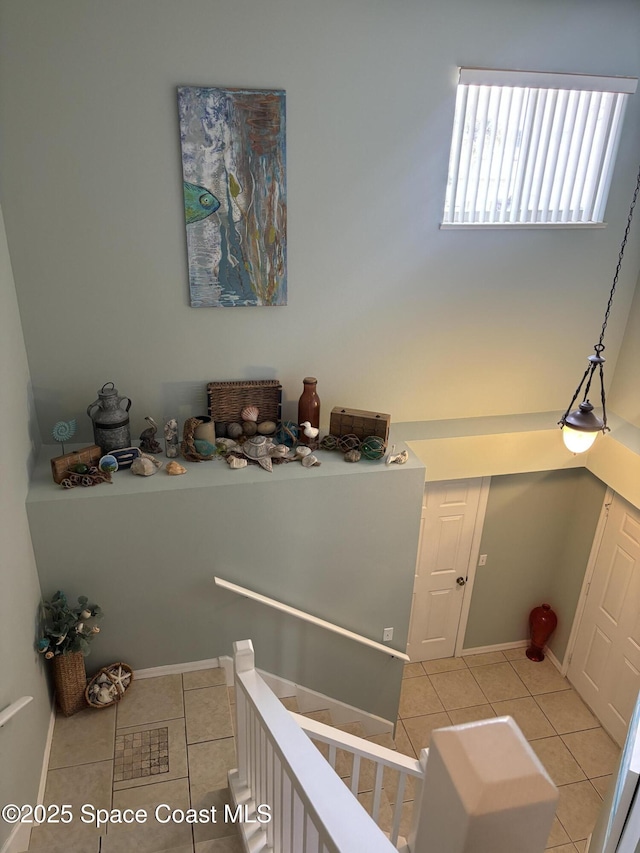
(537, 536)
(390, 313)
(387, 310)
(338, 541)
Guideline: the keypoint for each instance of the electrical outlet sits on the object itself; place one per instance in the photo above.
(483, 560)
(387, 635)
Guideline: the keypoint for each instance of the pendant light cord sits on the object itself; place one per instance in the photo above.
(620, 256)
(596, 361)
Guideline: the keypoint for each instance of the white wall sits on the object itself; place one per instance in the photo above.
(22, 739)
(387, 310)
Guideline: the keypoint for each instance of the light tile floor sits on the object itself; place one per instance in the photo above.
(578, 754)
(171, 741)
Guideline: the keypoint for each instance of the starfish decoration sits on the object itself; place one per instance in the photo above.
(121, 678)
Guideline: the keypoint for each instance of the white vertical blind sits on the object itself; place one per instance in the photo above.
(533, 148)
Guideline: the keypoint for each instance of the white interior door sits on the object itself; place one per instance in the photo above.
(449, 514)
(605, 665)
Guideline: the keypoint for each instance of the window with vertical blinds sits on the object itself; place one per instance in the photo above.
(533, 148)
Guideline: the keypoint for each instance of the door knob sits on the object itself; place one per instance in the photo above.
(461, 581)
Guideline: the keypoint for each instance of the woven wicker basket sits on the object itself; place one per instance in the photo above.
(70, 681)
(110, 671)
(228, 399)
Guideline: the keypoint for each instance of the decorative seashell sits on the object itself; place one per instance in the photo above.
(234, 430)
(279, 451)
(309, 461)
(226, 444)
(104, 696)
(256, 447)
(398, 458)
(249, 427)
(250, 413)
(175, 468)
(267, 427)
(157, 462)
(236, 462)
(352, 455)
(143, 466)
(302, 450)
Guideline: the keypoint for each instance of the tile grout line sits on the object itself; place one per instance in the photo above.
(553, 728)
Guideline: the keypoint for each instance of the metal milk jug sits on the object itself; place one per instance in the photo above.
(110, 420)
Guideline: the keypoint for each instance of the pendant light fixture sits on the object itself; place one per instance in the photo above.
(580, 427)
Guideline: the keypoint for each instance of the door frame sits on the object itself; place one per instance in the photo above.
(588, 575)
(474, 554)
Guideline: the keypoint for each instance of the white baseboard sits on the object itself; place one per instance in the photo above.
(176, 668)
(18, 841)
(554, 660)
(20, 838)
(520, 644)
(499, 647)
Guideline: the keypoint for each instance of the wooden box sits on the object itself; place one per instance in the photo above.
(359, 422)
(60, 465)
(228, 399)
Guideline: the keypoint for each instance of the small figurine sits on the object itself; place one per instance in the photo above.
(64, 431)
(309, 431)
(171, 438)
(148, 443)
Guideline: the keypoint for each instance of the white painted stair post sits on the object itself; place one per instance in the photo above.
(485, 791)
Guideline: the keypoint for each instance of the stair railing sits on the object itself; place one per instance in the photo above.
(480, 787)
(308, 617)
(388, 769)
(292, 800)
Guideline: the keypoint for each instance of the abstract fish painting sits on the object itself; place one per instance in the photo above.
(235, 204)
(198, 203)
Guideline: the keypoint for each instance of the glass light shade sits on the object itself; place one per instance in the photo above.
(577, 441)
(581, 427)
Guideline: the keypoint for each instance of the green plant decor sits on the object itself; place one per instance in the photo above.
(67, 629)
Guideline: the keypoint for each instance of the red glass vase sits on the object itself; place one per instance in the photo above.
(542, 623)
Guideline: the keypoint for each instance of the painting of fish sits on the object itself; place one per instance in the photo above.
(198, 203)
(234, 174)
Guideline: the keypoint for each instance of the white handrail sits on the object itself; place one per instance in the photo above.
(352, 743)
(307, 617)
(384, 759)
(13, 709)
(279, 767)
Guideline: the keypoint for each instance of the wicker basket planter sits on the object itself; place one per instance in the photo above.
(70, 679)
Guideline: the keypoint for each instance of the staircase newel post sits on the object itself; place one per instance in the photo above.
(484, 791)
(243, 661)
